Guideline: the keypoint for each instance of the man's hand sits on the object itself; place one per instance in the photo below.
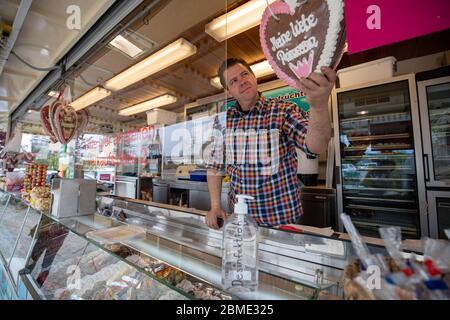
(213, 215)
(317, 87)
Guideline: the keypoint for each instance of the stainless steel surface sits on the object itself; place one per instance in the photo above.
(319, 207)
(9, 277)
(160, 193)
(126, 187)
(32, 288)
(70, 197)
(199, 200)
(377, 188)
(435, 147)
(198, 193)
(18, 236)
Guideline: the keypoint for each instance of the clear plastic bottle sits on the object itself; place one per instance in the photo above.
(240, 250)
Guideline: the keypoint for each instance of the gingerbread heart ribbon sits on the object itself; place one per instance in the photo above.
(61, 122)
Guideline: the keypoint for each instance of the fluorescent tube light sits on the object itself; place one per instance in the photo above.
(53, 93)
(148, 105)
(238, 20)
(260, 69)
(167, 56)
(215, 82)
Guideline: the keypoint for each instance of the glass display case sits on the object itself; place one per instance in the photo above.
(434, 96)
(18, 223)
(378, 153)
(62, 265)
(189, 143)
(176, 257)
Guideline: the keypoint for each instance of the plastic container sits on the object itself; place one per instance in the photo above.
(376, 70)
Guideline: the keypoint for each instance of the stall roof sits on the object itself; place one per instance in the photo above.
(189, 79)
(42, 39)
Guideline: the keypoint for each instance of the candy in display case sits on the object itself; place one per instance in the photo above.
(64, 266)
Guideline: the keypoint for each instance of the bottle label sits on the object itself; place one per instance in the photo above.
(239, 276)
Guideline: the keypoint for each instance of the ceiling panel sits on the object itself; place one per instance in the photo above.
(43, 40)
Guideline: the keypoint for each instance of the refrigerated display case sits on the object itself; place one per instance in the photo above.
(379, 157)
(18, 223)
(434, 101)
(439, 208)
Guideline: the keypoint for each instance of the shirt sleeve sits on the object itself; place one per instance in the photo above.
(215, 157)
(295, 125)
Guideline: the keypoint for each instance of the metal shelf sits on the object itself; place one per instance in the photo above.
(379, 199)
(376, 147)
(380, 137)
(379, 117)
(380, 168)
(399, 210)
(382, 157)
(376, 189)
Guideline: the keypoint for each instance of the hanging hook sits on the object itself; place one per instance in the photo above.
(271, 12)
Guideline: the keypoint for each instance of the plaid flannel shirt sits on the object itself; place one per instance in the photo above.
(274, 128)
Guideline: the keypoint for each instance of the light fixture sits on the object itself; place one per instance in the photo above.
(96, 94)
(126, 46)
(260, 69)
(361, 113)
(167, 56)
(53, 94)
(238, 20)
(148, 105)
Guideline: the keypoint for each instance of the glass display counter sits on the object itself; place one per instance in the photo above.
(176, 257)
(18, 223)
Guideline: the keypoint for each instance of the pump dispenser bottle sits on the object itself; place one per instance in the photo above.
(240, 249)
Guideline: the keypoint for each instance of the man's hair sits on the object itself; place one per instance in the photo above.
(228, 64)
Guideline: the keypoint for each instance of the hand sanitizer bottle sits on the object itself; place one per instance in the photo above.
(240, 250)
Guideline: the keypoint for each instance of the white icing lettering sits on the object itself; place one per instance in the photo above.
(303, 24)
(303, 48)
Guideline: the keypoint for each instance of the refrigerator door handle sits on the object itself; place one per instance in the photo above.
(338, 174)
(427, 168)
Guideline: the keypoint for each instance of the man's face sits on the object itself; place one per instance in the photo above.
(241, 83)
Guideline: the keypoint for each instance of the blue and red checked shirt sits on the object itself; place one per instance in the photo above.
(271, 130)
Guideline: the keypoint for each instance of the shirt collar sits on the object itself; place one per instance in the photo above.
(258, 105)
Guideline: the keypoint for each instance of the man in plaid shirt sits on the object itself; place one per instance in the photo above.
(260, 145)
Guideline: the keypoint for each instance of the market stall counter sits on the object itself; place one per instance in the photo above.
(133, 250)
